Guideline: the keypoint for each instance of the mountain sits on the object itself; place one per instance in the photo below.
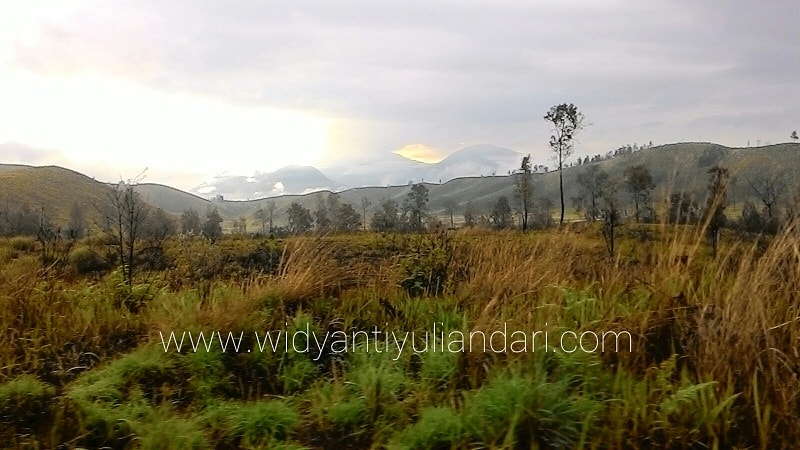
(286, 180)
(387, 169)
(377, 170)
(475, 161)
(675, 167)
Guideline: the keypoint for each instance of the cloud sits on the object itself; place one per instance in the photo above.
(451, 73)
(419, 152)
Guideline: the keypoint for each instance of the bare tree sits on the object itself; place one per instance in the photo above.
(271, 215)
(450, 206)
(769, 191)
(263, 218)
(714, 214)
(365, 204)
(124, 220)
(567, 121)
(591, 183)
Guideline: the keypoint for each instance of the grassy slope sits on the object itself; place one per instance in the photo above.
(675, 167)
(713, 362)
(53, 188)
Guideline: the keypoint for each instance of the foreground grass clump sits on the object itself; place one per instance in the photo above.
(698, 350)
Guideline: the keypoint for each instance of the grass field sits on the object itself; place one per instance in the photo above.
(704, 355)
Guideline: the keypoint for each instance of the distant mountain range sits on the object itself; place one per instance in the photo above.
(377, 170)
(675, 167)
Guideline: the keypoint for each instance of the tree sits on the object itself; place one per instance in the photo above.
(76, 227)
(714, 213)
(567, 121)
(639, 182)
(157, 227)
(682, 208)
(768, 190)
(611, 217)
(470, 214)
(322, 219)
(300, 220)
(542, 216)
(365, 204)
(386, 218)
(501, 213)
(591, 183)
(265, 217)
(49, 236)
(262, 215)
(190, 222)
(417, 206)
(347, 218)
(124, 221)
(212, 227)
(240, 226)
(794, 136)
(523, 189)
(450, 206)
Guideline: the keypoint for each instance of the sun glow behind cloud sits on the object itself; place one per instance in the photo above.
(101, 120)
(419, 152)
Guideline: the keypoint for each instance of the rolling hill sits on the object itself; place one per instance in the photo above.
(54, 189)
(675, 167)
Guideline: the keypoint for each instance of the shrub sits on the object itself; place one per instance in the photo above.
(252, 424)
(86, 261)
(23, 244)
(25, 402)
(437, 428)
(521, 412)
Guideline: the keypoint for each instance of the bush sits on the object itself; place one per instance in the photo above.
(525, 412)
(23, 244)
(437, 428)
(426, 270)
(252, 424)
(25, 402)
(86, 261)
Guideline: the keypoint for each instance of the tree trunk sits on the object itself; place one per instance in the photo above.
(561, 185)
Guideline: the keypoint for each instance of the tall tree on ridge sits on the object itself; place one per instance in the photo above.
(567, 121)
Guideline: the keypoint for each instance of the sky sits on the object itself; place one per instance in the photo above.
(189, 90)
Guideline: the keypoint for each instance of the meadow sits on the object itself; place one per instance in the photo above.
(709, 358)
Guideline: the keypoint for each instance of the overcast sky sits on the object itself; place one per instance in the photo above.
(191, 89)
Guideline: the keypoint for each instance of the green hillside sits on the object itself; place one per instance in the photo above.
(675, 167)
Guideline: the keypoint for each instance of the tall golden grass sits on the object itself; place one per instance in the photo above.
(730, 320)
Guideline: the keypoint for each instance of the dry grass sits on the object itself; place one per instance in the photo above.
(716, 333)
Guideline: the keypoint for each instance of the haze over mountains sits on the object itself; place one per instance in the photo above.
(384, 170)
